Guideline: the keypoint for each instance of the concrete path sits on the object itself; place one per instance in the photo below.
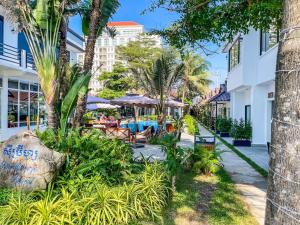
(186, 141)
(258, 154)
(154, 152)
(249, 183)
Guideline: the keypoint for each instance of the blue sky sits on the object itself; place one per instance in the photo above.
(130, 10)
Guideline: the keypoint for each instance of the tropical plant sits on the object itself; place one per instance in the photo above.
(90, 201)
(158, 81)
(241, 130)
(205, 160)
(115, 83)
(43, 27)
(223, 124)
(139, 55)
(191, 124)
(195, 79)
(91, 154)
(95, 15)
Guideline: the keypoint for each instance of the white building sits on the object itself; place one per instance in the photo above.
(19, 85)
(105, 49)
(251, 65)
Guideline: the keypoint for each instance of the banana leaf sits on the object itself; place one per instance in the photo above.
(80, 87)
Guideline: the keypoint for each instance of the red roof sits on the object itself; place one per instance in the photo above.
(124, 23)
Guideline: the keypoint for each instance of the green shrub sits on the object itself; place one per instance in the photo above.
(224, 124)
(92, 201)
(241, 130)
(5, 194)
(153, 117)
(91, 154)
(191, 124)
(166, 139)
(205, 160)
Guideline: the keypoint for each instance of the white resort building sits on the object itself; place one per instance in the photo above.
(251, 75)
(105, 50)
(21, 99)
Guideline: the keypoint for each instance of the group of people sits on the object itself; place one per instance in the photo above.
(109, 121)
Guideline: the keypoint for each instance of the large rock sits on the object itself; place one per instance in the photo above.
(27, 164)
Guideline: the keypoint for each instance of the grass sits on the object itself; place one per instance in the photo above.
(201, 199)
(260, 170)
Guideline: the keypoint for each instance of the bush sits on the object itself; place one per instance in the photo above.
(205, 160)
(92, 201)
(91, 154)
(241, 130)
(191, 124)
(224, 124)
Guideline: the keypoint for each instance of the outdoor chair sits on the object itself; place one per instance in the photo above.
(118, 133)
(144, 136)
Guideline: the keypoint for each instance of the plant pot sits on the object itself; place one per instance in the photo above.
(224, 134)
(244, 143)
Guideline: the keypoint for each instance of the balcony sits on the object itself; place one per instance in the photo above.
(13, 57)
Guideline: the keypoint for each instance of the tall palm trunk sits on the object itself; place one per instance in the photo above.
(63, 29)
(89, 56)
(283, 197)
(52, 116)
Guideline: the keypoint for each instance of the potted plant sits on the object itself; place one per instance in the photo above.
(241, 131)
(224, 126)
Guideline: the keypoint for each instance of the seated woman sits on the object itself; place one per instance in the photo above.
(103, 118)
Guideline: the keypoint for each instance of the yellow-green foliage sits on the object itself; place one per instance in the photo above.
(191, 124)
(91, 201)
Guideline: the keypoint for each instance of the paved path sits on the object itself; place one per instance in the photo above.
(154, 152)
(258, 154)
(248, 182)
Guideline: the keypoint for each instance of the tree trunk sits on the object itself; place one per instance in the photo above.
(283, 196)
(52, 117)
(63, 30)
(89, 56)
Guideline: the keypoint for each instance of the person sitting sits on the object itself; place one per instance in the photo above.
(103, 118)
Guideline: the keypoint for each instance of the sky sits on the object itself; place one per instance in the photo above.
(130, 10)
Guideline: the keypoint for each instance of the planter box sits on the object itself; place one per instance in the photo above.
(245, 143)
(224, 134)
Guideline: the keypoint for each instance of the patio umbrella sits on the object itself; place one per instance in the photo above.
(173, 103)
(96, 106)
(136, 101)
(93, 99)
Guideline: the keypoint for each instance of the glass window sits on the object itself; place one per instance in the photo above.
(14, 84)
(12, 108)
(234, 55)
(24, 86)
(33, 108)
(268, 39)
(23, 103)
(248, 113)
(34, 87)
(23, 112)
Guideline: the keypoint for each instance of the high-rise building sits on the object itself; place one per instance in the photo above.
(105, 49)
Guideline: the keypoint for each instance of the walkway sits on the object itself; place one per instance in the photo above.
(258, 154)
(154, 152)
(249, 183)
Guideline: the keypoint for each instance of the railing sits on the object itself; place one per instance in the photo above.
(10, 54)
(16, 56)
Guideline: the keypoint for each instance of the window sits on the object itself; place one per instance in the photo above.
(268, 39)
(234, 55)
(1, 34)
(23, 103)
(248, 113)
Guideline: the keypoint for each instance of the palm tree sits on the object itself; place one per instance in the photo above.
(159, 80)
(95, 15)
(195, 77)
